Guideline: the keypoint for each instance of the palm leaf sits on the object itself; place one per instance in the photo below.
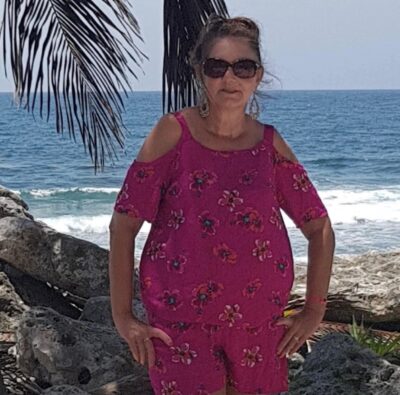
(183, 21)
(82, 54)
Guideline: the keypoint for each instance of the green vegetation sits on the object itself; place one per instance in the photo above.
(383, 346)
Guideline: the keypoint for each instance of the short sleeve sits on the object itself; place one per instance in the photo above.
(144, 186)
(295, 193)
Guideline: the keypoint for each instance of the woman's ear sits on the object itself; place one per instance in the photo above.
(260, 74)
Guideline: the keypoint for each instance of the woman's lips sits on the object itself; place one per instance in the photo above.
(226, 91)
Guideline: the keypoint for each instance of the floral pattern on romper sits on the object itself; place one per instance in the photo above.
(218, 252)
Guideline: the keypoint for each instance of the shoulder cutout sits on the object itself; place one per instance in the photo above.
(282, 147)
(163, 138)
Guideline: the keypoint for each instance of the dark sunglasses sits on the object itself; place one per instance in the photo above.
(216, 68)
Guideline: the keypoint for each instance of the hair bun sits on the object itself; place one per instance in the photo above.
(218, 26)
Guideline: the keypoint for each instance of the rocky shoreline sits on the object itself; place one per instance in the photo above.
(57, 335)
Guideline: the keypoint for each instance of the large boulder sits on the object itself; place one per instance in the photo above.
(11, 306)
(98, 308)
(337, 364)
(69, 263)
(125, 386)
(366, 286)
(11, 205)
(64, 390)
(18, 293)
(58, 350)
(131, 384)
(29, 292)
(9, 208)
(4, 192)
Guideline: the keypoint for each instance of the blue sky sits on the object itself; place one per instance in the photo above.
(308, 44)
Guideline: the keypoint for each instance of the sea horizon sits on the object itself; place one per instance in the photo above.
(274, 90)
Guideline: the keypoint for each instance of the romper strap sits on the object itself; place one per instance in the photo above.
(184, 126)
(269, 134)
(268, 129)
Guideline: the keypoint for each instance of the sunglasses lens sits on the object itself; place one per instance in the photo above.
(215, 68)
(245, 68)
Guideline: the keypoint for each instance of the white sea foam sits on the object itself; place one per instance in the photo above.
(59, 191)
(344, 207)
(350, 239)
(94, 229)
(355, 214)
(360, 206)
(70, 224)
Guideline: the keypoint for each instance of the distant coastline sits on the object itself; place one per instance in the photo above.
(280, 90)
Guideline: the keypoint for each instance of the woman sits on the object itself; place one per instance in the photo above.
(217, 267)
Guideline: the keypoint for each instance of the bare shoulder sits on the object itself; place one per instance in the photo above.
(283, 147)
(161, 139)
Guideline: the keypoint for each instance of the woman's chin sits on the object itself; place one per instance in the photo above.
(231, 104)
(234, 95)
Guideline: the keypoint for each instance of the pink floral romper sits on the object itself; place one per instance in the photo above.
(217, 267)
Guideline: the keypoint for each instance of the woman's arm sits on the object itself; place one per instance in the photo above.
(321, 247)
(321, 237)
(298, 197)
(138, 200)
(123, 231)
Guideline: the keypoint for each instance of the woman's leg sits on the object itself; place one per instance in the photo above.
(190, 365)
(222, 391)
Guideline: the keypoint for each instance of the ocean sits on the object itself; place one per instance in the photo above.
(348, 141)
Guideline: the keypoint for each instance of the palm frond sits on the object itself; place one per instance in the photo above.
(183, 21)
(82, 51)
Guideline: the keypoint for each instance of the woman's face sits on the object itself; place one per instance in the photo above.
(231, 92)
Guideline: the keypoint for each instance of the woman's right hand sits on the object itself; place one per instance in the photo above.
(138, 336)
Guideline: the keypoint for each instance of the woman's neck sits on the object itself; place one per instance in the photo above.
(225, 124)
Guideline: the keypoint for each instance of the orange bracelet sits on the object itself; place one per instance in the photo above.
(316, 299)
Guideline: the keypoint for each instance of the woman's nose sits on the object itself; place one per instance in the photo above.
(229, 73)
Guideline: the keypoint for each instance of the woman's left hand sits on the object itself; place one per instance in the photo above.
(300, 326)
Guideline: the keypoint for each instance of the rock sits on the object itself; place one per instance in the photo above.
(57, 350)
(366, 286)
(9, 208)
(33, 292)
(11, 306)
(337, 364)
(16, 198)
(3, 390)
(295, 365)
(126, 385)
(64, 390)
(71, 264)
(11, 205)
(98, 309)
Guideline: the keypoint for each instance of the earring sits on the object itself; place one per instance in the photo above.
(204, 108)
(254, 110)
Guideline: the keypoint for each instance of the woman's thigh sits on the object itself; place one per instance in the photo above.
(206, 359)
(251, 362)
(190, 366)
